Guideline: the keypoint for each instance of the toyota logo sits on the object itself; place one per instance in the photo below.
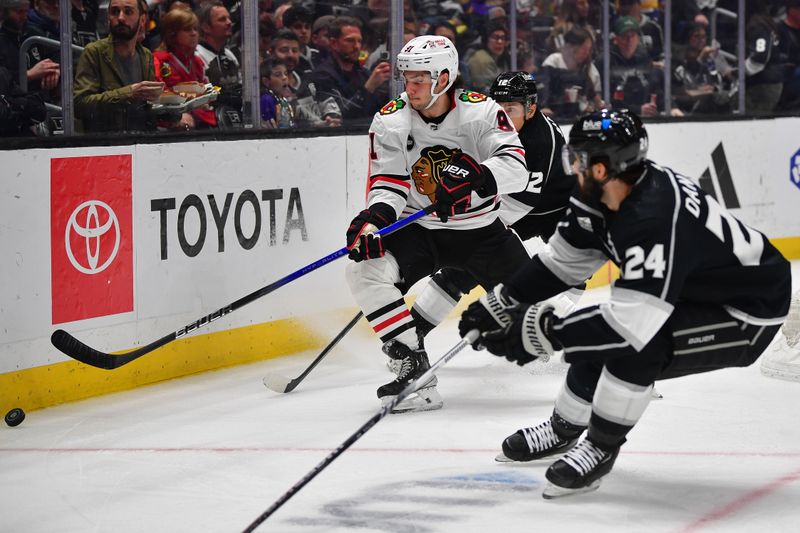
(85, 221)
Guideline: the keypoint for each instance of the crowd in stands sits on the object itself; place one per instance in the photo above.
(325, 63)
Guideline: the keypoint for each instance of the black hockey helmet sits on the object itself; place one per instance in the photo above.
(514, 87)
(617, 138)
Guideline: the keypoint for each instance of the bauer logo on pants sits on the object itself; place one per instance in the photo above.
(91, 246)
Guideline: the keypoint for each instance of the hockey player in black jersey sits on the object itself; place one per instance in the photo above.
(533, 212)
(698, 291)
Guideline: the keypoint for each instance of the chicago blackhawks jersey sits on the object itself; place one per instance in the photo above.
(407, 155)
(672, 243)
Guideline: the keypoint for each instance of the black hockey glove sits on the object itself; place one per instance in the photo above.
(489, 313)
(459, 178)
(528, 337)
(361, 239)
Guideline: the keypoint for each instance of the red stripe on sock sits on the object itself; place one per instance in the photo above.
(389, 321)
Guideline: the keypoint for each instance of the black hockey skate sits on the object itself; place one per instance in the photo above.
(580, 470)
(551, 437)
(413, 363)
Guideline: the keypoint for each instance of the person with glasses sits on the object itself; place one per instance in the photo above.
(492, 58)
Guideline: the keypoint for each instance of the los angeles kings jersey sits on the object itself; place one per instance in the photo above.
(548, 188)
(672, 243)
(408, 154)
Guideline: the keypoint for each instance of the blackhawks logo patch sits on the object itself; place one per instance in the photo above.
(392, 106)
(426, 171)
(165, 70)
(471, 97)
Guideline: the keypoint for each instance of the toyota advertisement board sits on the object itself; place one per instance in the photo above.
(121, 245)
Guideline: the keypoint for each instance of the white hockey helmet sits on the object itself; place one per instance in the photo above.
(433, 54)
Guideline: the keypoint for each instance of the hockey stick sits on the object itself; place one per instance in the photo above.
(469, 338)
(280, 383)
(74, 348)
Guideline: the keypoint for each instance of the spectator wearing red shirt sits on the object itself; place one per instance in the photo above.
(176, 62)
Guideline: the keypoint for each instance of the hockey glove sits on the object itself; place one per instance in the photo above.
(528, 337)
(459, 178)
(489, 313)
(361, 239)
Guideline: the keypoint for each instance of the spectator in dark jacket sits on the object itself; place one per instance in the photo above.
(635, 83)
(19, 111)
(12, 32)
(358, 92)
(789, 36)
(763, 68)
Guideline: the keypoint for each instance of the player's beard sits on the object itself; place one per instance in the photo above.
(123, 33)
(590, 190)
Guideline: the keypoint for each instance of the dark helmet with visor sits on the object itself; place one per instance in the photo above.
(616, 138)
(514, 87)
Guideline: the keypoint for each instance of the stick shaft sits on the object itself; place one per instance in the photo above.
(468, 339)
(76, 349)
(350, 325)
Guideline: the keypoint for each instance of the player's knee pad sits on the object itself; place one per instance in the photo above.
(372, 272)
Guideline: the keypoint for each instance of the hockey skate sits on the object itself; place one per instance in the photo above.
(579, 471)
(540, 441)
(413, 364)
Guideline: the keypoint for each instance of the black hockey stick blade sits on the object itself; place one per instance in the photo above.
(280, 383)
(79, 351)
(468, 339)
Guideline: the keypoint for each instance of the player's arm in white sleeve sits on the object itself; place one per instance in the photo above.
(389, 182)
(501, 150)
(570, 257)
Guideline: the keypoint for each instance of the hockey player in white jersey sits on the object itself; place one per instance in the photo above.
(698, 291)
(533, 212)
(433, 145)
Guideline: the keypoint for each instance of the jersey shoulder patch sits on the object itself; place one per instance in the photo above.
(393, 106)
(472, 97)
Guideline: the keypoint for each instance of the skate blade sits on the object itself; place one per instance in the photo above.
(501, 458)
(427, 399)
(656, 395)
(552, 492)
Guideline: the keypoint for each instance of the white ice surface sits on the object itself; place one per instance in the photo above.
(210, 453)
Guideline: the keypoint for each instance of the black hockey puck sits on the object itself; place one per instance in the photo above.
(15, 417)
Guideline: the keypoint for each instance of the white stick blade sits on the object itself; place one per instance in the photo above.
(276, 382)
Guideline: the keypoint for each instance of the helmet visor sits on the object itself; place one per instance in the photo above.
(574, 160)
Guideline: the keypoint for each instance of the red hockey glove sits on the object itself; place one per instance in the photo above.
(460, 177)
(361, 239)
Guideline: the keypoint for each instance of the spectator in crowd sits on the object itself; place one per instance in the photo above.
(635, 83)
(276, 111)
(278, 15)
(115, 77)
(84, 22)
(702, 77)
(684, 14)
(763, 68)
(444, 28)
(652, 34)
(220, 64)
(319, 37)
(492, 58)
(43, 21)
(358, 92)
(46, 72)
(789, 36)
(153, 40)
(176, 62)
(19, 112)
(266, 34)
(299, 20)
(571, 13)
(571, 83)
(309, 108)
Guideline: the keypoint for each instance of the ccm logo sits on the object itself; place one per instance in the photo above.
(458, 171)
